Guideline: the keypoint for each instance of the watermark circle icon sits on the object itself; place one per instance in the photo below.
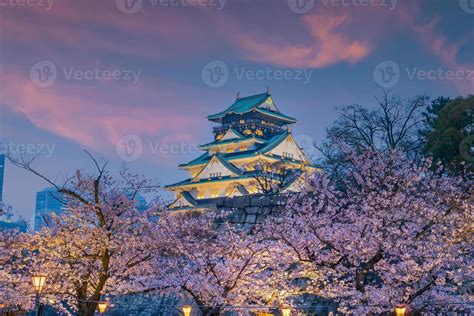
(129, 6)
(215, 74)
(387, 74)
(301, 6)
(43, 74)
(467, 6)
(306, 143)
(129, 148)
(466, 148)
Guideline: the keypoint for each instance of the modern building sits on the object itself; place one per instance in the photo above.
(251, 134)
(2, 172)
(140, 202)
(48, 201)
(6, 222)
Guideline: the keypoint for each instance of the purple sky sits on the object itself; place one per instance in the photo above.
(89, 74)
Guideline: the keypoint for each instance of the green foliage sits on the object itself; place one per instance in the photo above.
(450, 133)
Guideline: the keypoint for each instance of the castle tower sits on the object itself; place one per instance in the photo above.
(252, 133)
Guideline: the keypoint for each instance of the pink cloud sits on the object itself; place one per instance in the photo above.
(328, 45)
(99, 26)
(441, 47)
(95, 117)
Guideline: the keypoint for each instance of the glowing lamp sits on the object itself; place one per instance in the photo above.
(400, 310)
(38, 282)
(285, 311)
(2, 305)
(102, 307)
(187, 310)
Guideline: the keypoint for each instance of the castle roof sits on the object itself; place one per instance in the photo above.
(232, 141)
(264, 150)
(252, 103)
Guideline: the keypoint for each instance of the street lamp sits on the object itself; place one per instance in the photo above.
(102, 307)
(400, 310)
(187, 310)
(286, 311)
(38, 281)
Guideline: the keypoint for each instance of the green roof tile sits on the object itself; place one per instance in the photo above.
(247, 104)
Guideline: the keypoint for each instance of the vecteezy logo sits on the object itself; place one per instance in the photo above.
(387, 74)
(466, 148)
(467, 6)
(129, 148)
(43, 74)
(215, 74)
(129, 6)
(301, 6)
(307, 144)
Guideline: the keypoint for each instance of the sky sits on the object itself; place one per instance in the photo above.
(132, 81)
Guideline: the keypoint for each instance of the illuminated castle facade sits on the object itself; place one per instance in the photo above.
(252, 133)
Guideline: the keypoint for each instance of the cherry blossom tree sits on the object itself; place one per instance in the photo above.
(393, 233)
(100, 244)
(15, 292)
(217, 265)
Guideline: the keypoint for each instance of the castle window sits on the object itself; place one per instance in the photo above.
(230, 150)
(215, 174)
(243, 148)
(287, 155)
(200, 195)
(214, 193)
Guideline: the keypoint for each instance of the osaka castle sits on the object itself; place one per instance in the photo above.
(251, 137)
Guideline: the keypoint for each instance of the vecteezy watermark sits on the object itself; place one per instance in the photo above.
(162, 148)
(216, 74)
(133, 6)
(301, 6)
(467, 6)
(44, 74)
(387, 74)
(466, 148)
(131, 148)
(440, 74)
(28, 149)
(307, 144)
(48, 4)
(305, 6)
(390, 4)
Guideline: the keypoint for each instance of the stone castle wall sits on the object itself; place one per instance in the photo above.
(249, 210)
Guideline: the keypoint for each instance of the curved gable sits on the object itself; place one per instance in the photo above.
(217, 167)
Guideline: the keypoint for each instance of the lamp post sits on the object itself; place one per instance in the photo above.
(400, 310)
(38, 281)
(102, 306)
(286, 311)
(187, 309)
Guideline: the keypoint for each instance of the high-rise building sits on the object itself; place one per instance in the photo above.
(140, 202)
(48, 201)
(2, 171)
(252, 135)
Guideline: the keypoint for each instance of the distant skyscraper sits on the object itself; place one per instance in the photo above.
(48, 201)
(141, 202)
(2, 170)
